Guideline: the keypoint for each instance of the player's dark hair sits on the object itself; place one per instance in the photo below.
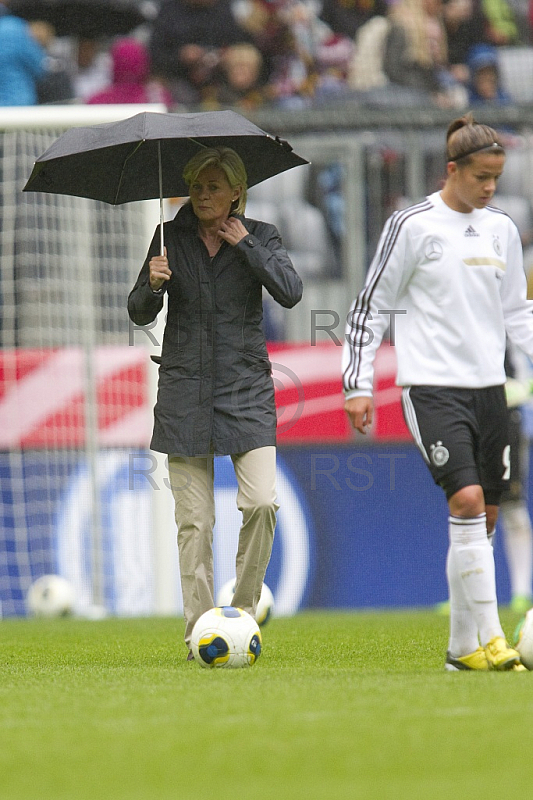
(465, 137)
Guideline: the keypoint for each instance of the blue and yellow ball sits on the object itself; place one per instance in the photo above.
(226, 637)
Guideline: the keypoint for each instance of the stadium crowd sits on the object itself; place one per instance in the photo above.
(291, 54)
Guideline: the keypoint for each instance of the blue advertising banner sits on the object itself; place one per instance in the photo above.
(358, 527)
(381, 527)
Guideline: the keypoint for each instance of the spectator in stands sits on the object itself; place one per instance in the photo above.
(92, 69)
(501, 28)
(466, 27)
(56, 85)
(528, 39)
(186, 41)
(290, 65)
(306, 56)
(346, 16)
(333, 55)
(240, 82)
(132, 82)
(416, 52)
(521, 12)
(22, 61)
(484, 85)
(269, 27)
(367, 66)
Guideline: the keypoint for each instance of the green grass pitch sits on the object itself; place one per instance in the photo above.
(339, 706)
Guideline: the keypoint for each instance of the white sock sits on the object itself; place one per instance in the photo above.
(472, 562)
(518, 538)
(463, 627)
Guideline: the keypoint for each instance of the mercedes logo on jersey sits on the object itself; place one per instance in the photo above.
(433, 250)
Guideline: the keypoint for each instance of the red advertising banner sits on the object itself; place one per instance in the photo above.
(309, 394)
(43, 396)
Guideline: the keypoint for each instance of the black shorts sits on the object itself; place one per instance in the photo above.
(462, 435)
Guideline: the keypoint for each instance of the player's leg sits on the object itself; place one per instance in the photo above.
(445, 427)
(436, 419)
(256, 499)
(473, 559)
(518, 538)
(515, 519)
(492, 459)
(192, 484)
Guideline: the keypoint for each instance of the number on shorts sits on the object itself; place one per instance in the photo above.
(506, 458)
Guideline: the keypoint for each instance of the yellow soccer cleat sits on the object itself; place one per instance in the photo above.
(476, 660)
(500, 656)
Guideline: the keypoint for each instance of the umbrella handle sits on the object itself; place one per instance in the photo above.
(161, 222)
(161, 212)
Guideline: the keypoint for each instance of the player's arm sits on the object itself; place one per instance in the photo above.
(517, 309)
(368, 319)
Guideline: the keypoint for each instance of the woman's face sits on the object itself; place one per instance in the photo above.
(473, 185)
(212, 196)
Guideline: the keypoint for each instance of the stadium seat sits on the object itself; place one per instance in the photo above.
(516, 68)
(285, 186)
(516, 177)
(519, 209)
(305, 235)
(263, 210)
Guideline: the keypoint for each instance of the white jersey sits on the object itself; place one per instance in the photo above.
(451, 285)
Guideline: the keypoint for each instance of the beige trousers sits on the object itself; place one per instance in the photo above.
(192, 480)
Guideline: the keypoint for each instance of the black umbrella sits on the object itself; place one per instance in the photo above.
(143, 157)
(87, 19)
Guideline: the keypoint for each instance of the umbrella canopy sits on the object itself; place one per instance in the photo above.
(86, 19)
(143, 157)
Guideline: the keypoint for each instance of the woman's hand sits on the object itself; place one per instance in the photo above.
(159, 271)
(232, 231)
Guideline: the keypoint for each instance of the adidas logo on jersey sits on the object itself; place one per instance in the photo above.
(471, 232)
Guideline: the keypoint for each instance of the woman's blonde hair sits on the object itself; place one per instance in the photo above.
(227, 160)
(465, 137)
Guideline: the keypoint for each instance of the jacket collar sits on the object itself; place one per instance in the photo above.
(186, 218)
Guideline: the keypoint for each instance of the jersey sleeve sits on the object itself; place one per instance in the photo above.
(517, 309)
(372, 310)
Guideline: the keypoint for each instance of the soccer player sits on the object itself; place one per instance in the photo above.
(448, 276)
(514, 512)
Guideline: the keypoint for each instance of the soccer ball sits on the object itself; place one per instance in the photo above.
(226, 637)
(523, 639)
(265, 606)
(51, 596)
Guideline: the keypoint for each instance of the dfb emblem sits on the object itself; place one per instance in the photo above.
(439, 454)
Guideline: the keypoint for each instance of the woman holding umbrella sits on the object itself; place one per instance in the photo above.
(216, 394)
